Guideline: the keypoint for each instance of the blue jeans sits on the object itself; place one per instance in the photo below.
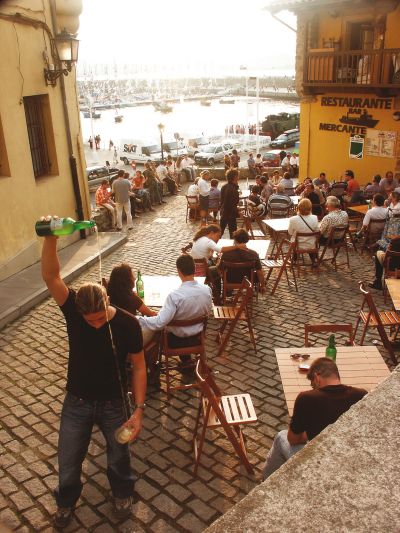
(77, 419)
(279, 453)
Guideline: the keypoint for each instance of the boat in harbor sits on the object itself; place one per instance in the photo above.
(95, 114)
(226, 100)
(118, 117)
(206, 103)
(162, 107)
(365, 119)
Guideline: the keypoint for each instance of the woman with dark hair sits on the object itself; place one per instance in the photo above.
(120, 290)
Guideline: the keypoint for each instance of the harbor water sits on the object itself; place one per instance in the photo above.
(189, 119)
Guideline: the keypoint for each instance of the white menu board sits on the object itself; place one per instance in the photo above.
(380, 143)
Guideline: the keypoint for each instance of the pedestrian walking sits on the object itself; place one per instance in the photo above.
(102, 339)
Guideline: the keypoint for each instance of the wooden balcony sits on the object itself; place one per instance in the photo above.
(363, 70)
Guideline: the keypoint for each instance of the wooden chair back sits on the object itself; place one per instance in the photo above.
(278, 210)
(307, 249)
(290, 191)
(328, 328)
(246, 269)
(373, 232)
(196, 349)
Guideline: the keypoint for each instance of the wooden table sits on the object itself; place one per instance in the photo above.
(359, 209)
(258, 245)
(359, 366)
(393, 286)
(157, 288)
(278, 227)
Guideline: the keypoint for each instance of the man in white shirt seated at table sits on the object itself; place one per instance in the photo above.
(377, 211)
(190, 300)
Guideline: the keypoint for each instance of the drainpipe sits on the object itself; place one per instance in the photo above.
(72, 159)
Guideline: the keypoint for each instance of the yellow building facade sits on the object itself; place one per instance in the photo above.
(348, 78)
(42, 166)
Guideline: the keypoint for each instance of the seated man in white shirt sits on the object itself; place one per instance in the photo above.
(287, 183)
(377, 212)
(190, 300)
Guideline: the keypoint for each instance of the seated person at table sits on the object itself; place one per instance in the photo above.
(304, 222)
(205, 243)
(334, 218)
(388, 184)
(313, 411)
(310, 193)
(214, 198)
(190, 300)
(193, 189)
(393, 203)
(377, 211)
(255, 202)
(279, 203)
(266, 187)
(275, 178)
(321, 182)
(390, 240)
(138, 182)
(242, 255)
(374, 187)
(120, 289)
(287, 183)
(103, 199)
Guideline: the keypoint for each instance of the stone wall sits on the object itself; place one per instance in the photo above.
(346, 479)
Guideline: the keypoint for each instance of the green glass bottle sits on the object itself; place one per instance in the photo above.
(61, 226)
(139, 285)
(331, 348)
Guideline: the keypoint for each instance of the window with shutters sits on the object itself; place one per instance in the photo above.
(41, 136)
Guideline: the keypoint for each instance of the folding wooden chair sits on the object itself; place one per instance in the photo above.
(282, 264)
(372, 233)
(328, 328)
(168, 351)
(236, 271)
(216, 411)
(239, 311)
(301, 248)
(336, 241)
(253, 233)
(192, 203)
(371, 318)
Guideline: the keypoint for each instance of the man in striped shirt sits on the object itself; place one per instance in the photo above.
(279, 203)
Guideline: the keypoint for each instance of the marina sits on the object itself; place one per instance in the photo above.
(188, 118)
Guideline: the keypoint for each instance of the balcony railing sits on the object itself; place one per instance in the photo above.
(372, 68)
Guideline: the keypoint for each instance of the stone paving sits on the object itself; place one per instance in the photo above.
(33, 372)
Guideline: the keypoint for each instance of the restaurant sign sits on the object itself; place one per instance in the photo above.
(357, 118)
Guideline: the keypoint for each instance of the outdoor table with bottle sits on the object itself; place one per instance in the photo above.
(359, 366)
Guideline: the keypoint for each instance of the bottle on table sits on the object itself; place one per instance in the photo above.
(61, 226)
(331, 348)
(139, 285)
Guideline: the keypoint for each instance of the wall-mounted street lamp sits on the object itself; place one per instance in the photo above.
(161, 128)
(64, 48)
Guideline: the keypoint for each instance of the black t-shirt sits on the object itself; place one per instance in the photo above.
(92, 370)
(316, 409)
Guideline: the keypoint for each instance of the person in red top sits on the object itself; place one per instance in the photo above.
(103, 199)
(352, 186)
(138, 182)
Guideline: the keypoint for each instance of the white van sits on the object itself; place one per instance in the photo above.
(139, 151)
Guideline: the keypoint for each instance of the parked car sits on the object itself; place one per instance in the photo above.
(139, 151)
(213, 153)
(196, 144)
(97, 174)
(174, 148)
(286, 139)
(272, 159)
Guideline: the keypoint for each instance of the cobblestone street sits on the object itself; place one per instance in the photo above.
(33, 375)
